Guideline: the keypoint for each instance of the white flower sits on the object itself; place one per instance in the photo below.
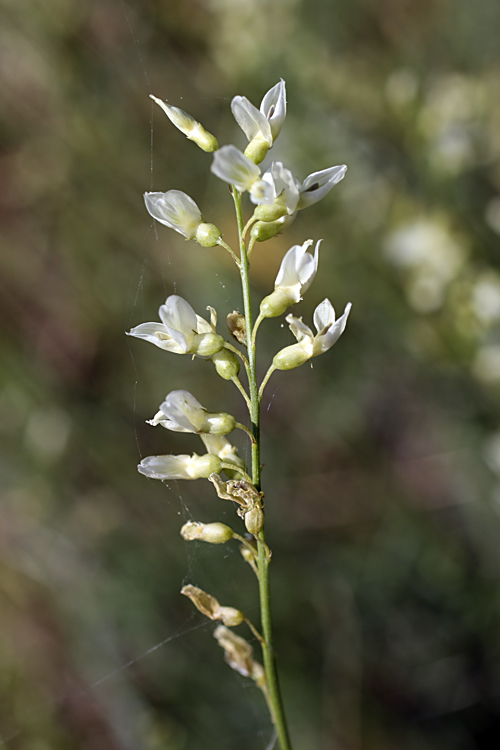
(318, 184)
(297, 271)
(181, 331)
(179, 467)
(182, 412)
(232, 166)
(176, 210)
(264, 124)
(309, 345)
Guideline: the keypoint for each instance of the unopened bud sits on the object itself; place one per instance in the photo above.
(227, 364)
(237, 326)
(191, 128)
(257, 149)
(276, 303)
(254, 520)
(269, 212)
(214, 533)
(291, 357)
(206, 344)
(218, 423)
(207, 235)
(265, 230)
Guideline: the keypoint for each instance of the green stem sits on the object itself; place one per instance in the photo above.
(273, 689)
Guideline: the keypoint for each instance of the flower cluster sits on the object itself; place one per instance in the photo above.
(276, 197)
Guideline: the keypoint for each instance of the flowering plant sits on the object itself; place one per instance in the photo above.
(277, 196)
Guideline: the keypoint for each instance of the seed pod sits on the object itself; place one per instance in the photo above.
(254, 520)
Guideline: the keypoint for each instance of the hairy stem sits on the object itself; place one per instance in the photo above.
(273, 689)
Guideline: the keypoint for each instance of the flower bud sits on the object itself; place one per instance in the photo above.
(270, 212)
(189, 126)
(276, 303)
(254, 520)
(257, 150)
(265, 230)
(218, 423)
(237, 326)
(214, 533)
(227, 364)
(208, 235)
(291, 357)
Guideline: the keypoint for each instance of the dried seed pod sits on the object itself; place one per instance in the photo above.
(237, 326)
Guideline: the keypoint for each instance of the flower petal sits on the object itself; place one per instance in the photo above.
(299, 329)
(324, 315)
(167, 467)
(252, 121)
(157, 334)
(179, 319)
(318, 184)
(231, 165)
(273, 106)
(324, 341)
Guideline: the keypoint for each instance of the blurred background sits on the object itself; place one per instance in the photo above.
(382, 462)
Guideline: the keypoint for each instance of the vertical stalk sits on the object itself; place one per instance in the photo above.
(275, 700)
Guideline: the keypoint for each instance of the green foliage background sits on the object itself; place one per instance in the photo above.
(382, 463)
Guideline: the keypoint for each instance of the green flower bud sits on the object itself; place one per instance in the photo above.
(270, 212)
(218, 423)
(265, 230)
(204, 466)
(207, 235)
(254, 520)
(291, 357)
(214, 533)
(257, 149)
(276, 303)
(206, 344)
(227, 364)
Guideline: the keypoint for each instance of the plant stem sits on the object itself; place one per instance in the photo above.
(273, 689)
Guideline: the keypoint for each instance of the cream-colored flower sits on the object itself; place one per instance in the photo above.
(181, 331)
(179, 467)
(309, 345)
(182, 412)
(297, 271)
